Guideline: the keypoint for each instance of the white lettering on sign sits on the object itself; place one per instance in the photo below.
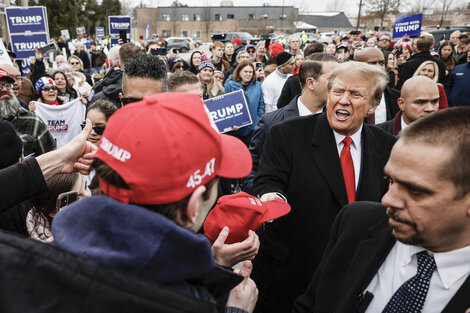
(26, 19)
(224, 112)
(196, 178)
(113, 150)
(22, 46)
(120, 25)
(406, 28)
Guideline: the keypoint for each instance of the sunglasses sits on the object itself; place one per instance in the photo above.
(49, 88)
(74, 63)
(127, 100)
(179, 66)
(251, 51)
(6, 85)
(98, 129)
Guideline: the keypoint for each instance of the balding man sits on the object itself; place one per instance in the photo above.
(419, 97)
(388, 107)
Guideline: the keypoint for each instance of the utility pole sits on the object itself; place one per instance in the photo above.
(359, 15)
(282, 15)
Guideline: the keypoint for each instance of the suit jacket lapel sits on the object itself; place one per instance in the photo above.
(327, 159)
(370, 182)
(367, 259)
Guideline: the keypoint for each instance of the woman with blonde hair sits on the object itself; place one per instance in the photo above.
(211, 87)
(431, 70)
(77, 65)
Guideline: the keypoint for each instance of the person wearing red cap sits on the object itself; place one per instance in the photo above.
(238, 45)
(156, 196)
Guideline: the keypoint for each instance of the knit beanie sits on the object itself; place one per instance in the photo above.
(204, 64)
(41, 82)
(173, 61)
(283, 58)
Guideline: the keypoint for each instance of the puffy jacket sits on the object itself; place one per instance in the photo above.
(255, 100)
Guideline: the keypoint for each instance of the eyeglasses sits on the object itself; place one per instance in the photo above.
(384, 39)
(98, 129)
(49, 88)
(6, 85)
(251, 51)
(179, 66)
(74, 63)
(127, 100)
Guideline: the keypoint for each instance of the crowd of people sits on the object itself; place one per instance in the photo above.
(112, 162)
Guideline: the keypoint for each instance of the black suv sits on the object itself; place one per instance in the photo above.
(246, 38)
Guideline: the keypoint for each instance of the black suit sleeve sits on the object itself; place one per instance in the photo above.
(256, 148)
(20, 182)
(289, 91)
(273, 168)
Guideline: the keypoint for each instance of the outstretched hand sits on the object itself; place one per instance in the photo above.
(231, 254)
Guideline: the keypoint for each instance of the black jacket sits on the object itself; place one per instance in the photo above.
(300, 160)
(289, 91)
(390, 97)
(360, 241)
(38, 277)
(267, 121)
(407, 69)
(110, 87)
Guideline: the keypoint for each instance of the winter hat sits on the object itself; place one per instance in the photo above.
(41, 82)
(283, 58)
(12, 146)
(173, 61)
(206, 63)
(275, 49)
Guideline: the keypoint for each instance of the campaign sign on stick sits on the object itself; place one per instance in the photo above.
(407, 25)
(119, 22)
(81, 31)
(65, 33)
(26, 19)
(229, 110)
(4, 57)
(24, 45)
(100, 32)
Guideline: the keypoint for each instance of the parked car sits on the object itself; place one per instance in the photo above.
(246, 38)
(182, 44)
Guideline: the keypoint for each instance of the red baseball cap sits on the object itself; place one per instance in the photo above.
(6, 76)
(241, 212)
(237, 40)
(276, 48)
(164, 147)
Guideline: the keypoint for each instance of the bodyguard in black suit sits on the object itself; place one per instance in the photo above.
(301, 162)
(312, 101)
(426, 210)
(374, 56)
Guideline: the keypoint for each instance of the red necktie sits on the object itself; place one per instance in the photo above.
(348, 169)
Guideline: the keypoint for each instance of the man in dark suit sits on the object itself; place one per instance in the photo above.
(376, 251)
(388, 106)
(419, 97)
(312, 162)
(423, 45)
(314, 75)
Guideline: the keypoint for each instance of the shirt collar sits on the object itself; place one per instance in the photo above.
(303, 110)
(403, 124)
(356, 138)
(451, 266)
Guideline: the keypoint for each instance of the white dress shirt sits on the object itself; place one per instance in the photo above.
(452, 269)
(403, 124)
(356, 151)
(303, 110)
(381, 111)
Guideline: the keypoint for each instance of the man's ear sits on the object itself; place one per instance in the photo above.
(401, 104)
(194, 205)
(118, 63)
(310, 83)
(372, 108)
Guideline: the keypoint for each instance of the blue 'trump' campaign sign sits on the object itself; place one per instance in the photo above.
(26, 19)
(229, 110)
(119, 22)
(24, 45)
(100, 32)
(408, 25)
